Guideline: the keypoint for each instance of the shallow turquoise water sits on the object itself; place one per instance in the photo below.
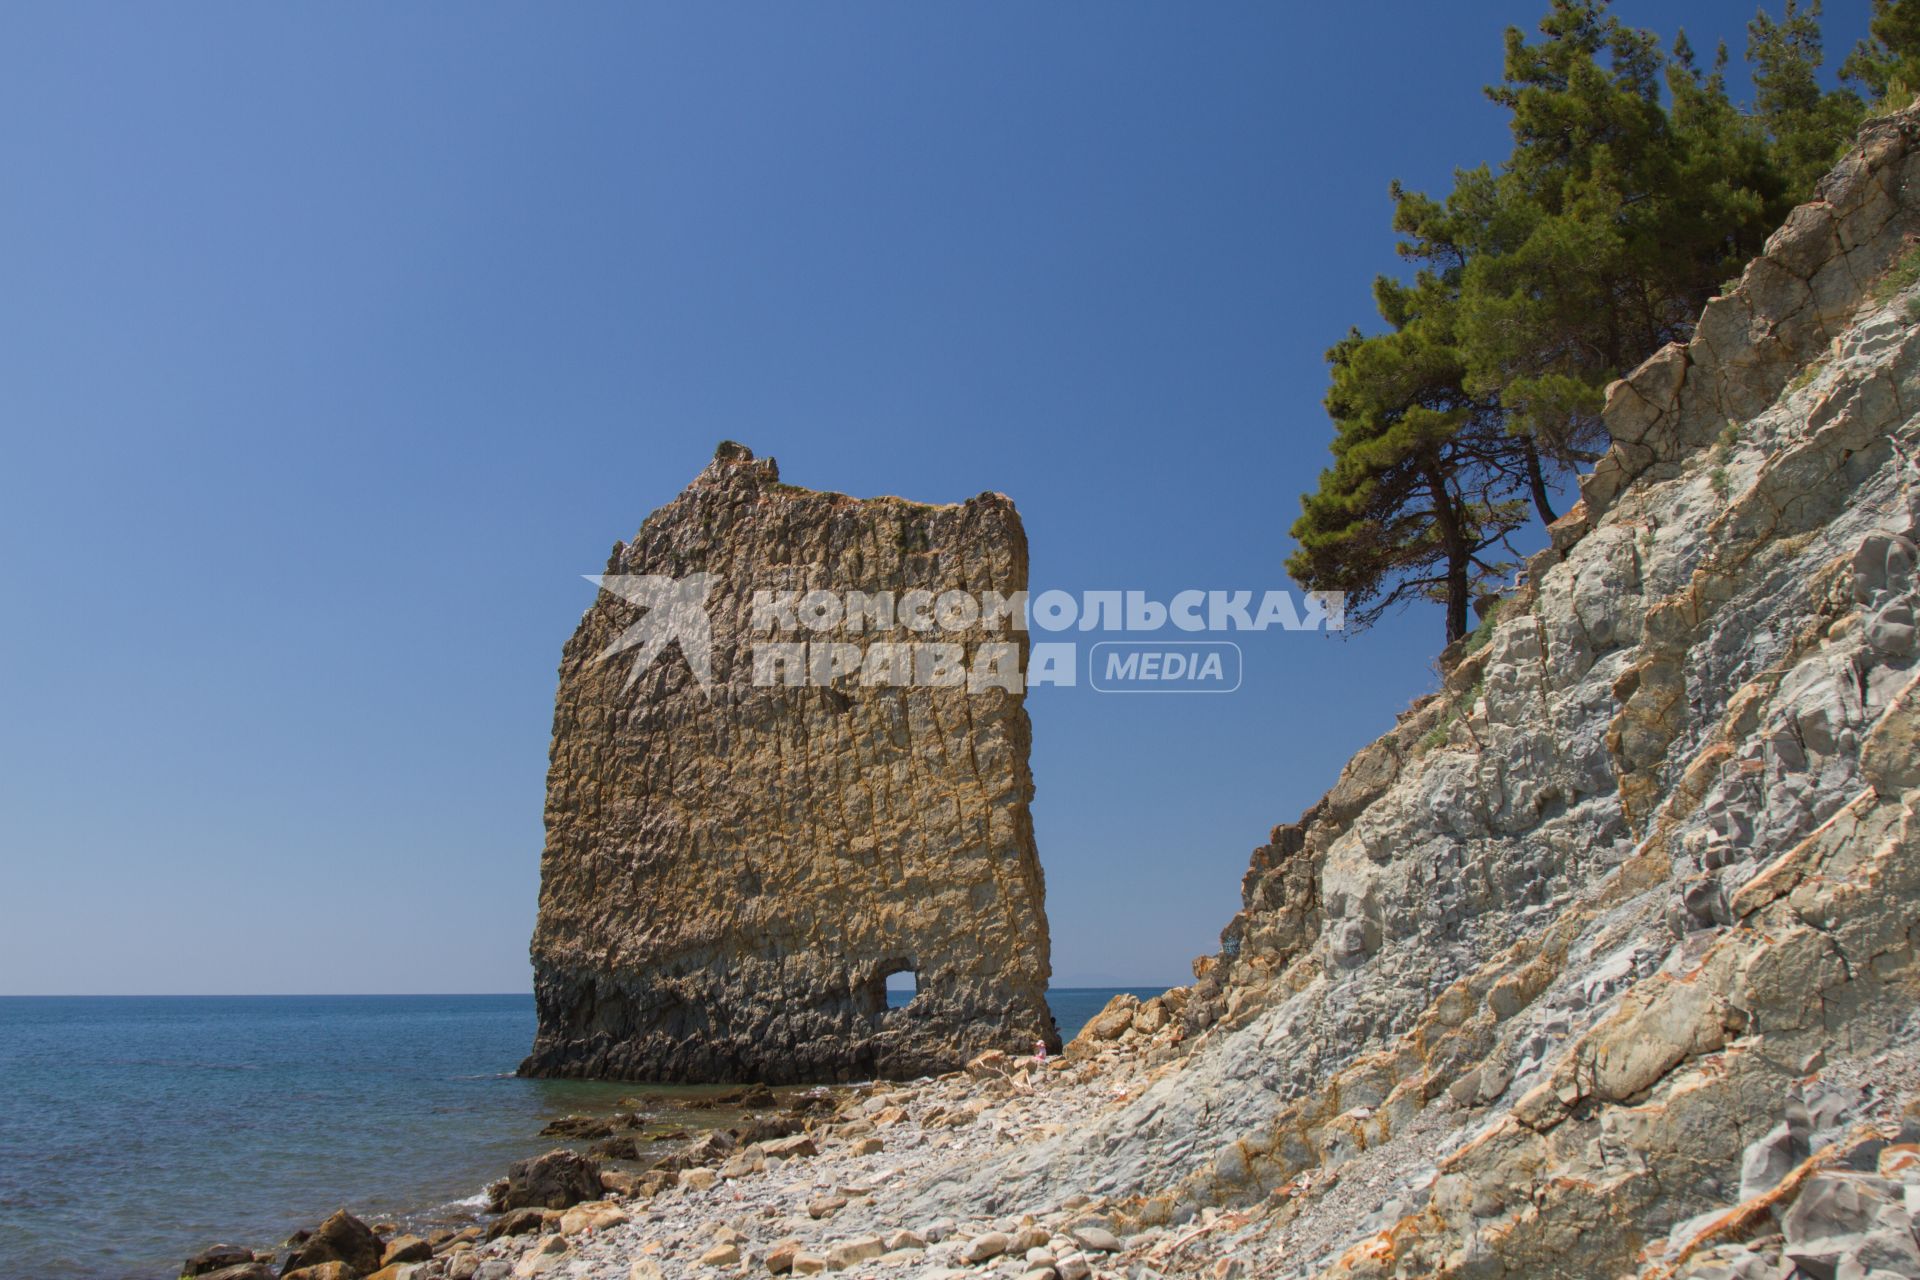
(134, 1130)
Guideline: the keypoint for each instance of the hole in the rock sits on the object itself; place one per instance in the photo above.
(902, 986)
(893, 985)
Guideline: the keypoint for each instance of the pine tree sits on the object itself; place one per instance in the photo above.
(1634, 188)
(1887, 63)
(1419, 498)
(1809, 125)
(1613, 222)
(1444, 238)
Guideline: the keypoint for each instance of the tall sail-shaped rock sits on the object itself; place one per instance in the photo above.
(736, 863)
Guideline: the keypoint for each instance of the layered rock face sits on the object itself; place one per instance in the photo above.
(733, 870)
(1533, 990)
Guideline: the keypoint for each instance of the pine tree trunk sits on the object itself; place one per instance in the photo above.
(1453, 538)
(1537, 481)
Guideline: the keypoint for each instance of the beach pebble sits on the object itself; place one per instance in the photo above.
(597, 1216)
(848, 1252)
(982, 1247)
(1072, 1266)
(1096, 1239)
(798, 1146)
(744, 1165)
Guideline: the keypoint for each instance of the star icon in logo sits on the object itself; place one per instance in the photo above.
(672, 609)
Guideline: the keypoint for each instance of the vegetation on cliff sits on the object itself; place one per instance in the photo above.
(1635, 187)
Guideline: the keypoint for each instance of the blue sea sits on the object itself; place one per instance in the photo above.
(136, 1130)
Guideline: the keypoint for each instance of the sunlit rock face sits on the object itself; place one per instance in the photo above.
(733, 867)
(1605, 959)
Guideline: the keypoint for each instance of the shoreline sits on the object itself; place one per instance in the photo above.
(792, 1180)
(245, 1120)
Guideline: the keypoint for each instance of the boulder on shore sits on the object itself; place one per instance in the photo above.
(406, 1249)
(218, 1257)
(518, 1222)
(342, 1238)
(557, 1180)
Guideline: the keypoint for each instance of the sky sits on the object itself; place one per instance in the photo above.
(338, 341)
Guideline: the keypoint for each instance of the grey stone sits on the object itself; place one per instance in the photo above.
(987, 1245)
(1095, 1239)
(1837, 1204)
(1769, 1159)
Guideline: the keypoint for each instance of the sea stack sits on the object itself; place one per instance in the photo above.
(760, 808)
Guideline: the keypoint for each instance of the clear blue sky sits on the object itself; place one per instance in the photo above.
(339, 340)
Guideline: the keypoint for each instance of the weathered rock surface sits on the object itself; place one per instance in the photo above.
(1517, 996)
(732, 872)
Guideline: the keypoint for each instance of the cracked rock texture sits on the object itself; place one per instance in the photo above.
(731, 873)
(1522, 992)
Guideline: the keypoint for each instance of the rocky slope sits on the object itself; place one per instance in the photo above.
(1519, 993)
(1601, 963)
(733, 869)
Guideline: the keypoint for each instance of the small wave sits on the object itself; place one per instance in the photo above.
(181, 1064)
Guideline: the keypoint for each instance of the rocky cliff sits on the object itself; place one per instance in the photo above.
(1597, 962)
(735, 863)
